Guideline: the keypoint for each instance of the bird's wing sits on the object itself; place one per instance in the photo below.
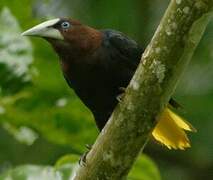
(129, 51)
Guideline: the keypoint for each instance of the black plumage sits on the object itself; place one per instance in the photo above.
(109, 68)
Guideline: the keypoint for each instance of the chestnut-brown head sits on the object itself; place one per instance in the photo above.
(67, 35)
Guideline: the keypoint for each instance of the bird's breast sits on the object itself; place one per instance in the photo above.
(92, 83)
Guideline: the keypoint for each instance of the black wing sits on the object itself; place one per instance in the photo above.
(124, 56)
(129, 51)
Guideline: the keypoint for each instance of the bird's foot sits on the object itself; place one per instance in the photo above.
(88, 146)
(83, 158)
(120, 96)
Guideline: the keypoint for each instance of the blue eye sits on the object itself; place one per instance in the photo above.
(65, 25)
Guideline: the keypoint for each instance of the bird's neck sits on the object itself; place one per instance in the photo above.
(79, 51)
(81, 44)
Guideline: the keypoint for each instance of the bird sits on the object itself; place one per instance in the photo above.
(98, 65)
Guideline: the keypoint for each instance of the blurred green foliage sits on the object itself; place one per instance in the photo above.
(16, 55)
(42, 119)
(144, 169)
(38, 172)
(65, 170)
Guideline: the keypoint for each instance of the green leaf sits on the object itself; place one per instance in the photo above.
(33, 172)
(15, 54)
(23, 134)
(144, 169)
(60, 125)
(67, 159)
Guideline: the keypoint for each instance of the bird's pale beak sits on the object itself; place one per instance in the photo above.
(45, 30)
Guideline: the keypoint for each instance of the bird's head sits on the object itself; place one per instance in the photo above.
(67, 35)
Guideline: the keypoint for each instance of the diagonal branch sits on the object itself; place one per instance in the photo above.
(163, 61)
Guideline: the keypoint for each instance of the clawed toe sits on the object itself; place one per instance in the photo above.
(83, 159)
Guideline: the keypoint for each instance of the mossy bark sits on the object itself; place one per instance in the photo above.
(162, 64)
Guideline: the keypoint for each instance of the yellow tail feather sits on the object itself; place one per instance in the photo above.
(170, 130)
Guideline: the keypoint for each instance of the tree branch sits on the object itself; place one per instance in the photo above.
(163, 61)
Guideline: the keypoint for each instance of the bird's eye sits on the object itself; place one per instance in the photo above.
(65, 25)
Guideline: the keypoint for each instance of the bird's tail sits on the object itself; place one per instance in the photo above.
(170, 130)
